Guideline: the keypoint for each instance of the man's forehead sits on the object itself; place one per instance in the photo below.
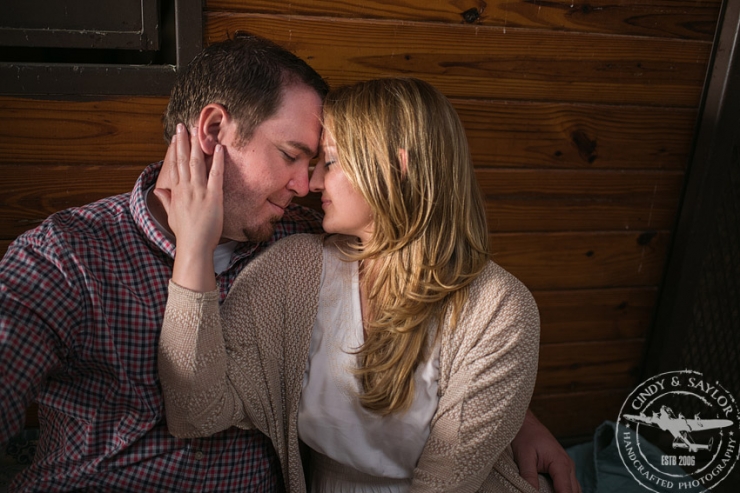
(298, 121)
(300, 136)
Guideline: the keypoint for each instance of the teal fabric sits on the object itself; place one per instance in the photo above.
(599, 468)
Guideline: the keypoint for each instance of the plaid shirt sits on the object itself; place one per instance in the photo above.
(81, 303)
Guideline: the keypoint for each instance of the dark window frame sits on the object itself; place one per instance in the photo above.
(120, 24)
(83, 79)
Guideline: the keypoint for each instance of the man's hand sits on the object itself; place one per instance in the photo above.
(537, 451)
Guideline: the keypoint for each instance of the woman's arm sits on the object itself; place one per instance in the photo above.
(200, 399)
(241, 364)
(488, 365)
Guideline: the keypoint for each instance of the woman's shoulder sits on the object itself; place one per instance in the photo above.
(494, 279)
(497, 295)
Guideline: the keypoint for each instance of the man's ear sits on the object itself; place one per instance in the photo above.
(212, 123)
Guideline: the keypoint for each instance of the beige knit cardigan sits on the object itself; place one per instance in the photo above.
(244, 366)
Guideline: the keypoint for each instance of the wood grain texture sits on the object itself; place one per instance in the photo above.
(485, 62)
(667, 18)
(501, 133)
(32, 192)
(577, 414)
(516, 200)
(122, 130)
(576, 136)
(588, 366)
(595, 314)
(563, 260)
(565, 200)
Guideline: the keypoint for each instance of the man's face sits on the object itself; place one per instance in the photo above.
(262, 176)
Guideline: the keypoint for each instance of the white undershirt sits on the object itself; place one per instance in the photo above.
(222, 256)
(330, 418)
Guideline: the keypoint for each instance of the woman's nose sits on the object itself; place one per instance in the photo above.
(316, 184)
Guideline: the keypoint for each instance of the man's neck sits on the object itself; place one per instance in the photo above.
(157, 210)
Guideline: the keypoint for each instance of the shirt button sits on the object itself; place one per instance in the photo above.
(199, 455)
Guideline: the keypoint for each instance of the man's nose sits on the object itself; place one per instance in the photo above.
(298, 183)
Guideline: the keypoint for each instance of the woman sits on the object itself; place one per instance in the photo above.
(394, 349)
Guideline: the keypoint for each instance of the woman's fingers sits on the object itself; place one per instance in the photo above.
(183, 154)
(197, 162)
(169, 166)
(191, 163)
(216, 176)
(165, 197)
(194, 201)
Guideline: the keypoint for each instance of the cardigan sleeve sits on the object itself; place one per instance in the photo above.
(224, 366)
(488, 366)
(199, 397)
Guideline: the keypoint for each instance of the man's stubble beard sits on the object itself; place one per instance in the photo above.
(262, 232)
(234, 227)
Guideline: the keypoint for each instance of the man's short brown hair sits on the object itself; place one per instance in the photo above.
(246, 75)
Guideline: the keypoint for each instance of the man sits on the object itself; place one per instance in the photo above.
(82, 296)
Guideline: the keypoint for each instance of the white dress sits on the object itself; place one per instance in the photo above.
(353, 449)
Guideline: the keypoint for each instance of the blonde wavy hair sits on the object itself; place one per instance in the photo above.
(430, 238)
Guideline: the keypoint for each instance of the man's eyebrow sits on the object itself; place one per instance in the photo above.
(304, 148)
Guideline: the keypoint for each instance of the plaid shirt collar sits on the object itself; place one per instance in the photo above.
(141, 214)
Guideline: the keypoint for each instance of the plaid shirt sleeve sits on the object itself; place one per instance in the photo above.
(81, 304)
(37, 299)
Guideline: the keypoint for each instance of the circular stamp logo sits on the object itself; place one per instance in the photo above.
(678, 431)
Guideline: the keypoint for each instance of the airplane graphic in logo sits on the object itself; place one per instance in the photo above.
(680, 427)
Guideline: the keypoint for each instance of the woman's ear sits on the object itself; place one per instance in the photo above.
(211, 124)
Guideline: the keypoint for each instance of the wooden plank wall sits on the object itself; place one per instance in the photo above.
(580, 116)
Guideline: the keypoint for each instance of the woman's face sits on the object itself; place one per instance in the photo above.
(345, 209)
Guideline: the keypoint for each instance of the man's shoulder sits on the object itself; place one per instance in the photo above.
(99, 219)
(299, 219)
(107, 215)
(92, 215)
